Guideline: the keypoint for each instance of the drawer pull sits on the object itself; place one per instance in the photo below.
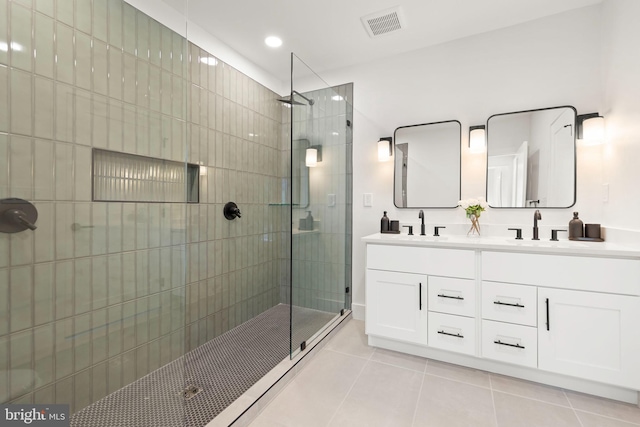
(450, 334)
(509, 345)
(420, 298)
(509, 304)
(451, 297)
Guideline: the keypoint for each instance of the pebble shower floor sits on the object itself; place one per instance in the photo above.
(224, 368)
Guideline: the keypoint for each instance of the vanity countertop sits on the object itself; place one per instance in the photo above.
(509, 244)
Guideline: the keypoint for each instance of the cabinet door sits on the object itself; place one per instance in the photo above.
(396, 306)
(590, 335)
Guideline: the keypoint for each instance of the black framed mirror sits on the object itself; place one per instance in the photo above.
(531, 158)
(427, 165)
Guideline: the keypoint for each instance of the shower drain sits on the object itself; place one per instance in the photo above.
(190, 391)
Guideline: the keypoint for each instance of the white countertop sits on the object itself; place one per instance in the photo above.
(508, 244)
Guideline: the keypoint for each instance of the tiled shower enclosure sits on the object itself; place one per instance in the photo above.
(103, 293)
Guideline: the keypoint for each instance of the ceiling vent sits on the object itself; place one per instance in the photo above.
(383, 22)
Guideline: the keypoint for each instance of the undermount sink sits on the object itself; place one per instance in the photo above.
(548, 243)
(432, 238)
(416, 237)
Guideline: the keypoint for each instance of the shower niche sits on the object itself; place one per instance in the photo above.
(123, 177)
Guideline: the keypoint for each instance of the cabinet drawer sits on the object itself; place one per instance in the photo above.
(510, 343)
(411, 259)
(453, 333)
(452, 296)
(506, 302)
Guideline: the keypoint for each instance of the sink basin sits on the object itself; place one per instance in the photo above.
(415, 238)
(547, 243)
(432, 238)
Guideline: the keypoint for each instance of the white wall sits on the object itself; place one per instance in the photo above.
(621, 58)
(549, 62)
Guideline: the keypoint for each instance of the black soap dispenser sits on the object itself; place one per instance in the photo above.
(384, 223)
(576, 227)
(309, 220)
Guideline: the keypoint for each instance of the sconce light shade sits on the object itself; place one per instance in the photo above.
(385, 149)
(477, 138)
(591, 129)
(313, 156)
(311, 160)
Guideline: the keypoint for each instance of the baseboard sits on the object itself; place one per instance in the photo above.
(530, 374)
(358, 311)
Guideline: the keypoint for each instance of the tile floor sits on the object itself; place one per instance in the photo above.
(351, 384)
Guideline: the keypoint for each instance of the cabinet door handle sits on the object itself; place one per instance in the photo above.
(450, 334)
(509, 304)
(548, 323)
(420, 297)
(449, 296)
(507, 344)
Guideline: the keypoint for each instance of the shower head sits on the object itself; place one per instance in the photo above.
(291, 101)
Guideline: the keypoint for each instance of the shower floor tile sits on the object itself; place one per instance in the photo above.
(224, 368)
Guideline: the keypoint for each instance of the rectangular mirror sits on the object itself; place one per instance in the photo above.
(427, 165)
(531, 159)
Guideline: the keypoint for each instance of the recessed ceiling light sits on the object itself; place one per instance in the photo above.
(273, 41)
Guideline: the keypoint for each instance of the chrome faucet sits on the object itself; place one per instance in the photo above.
(421, 216)
(536, 216)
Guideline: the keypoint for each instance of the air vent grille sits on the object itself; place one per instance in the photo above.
(383, 22)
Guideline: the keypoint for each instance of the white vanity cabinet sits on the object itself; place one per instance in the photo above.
(570, 319)
(590, 335)
(398, 279)
(588, 312)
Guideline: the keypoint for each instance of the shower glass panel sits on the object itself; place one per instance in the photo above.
(321, 193)
(93, 301)
(156, 309)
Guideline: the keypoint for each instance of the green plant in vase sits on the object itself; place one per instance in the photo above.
(473, 208)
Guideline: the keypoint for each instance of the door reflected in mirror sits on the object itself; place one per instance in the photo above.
(531, 159)
(427, 165)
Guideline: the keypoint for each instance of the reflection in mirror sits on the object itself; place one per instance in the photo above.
(300, 174)
(427, 165)
(531, 159)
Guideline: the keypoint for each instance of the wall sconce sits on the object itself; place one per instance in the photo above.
(590, 128)
(385, 149)
(477, 138)
(313, 156)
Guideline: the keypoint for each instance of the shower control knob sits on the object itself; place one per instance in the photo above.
(231, 211)
(17, 215)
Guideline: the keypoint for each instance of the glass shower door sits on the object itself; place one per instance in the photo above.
(321, 135)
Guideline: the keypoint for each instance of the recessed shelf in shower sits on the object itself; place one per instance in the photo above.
(123, 177)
